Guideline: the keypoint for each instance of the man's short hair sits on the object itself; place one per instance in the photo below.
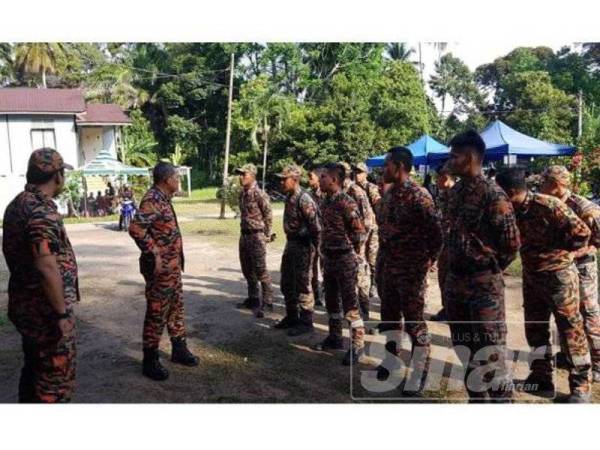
(512, 178)
(401, 155)
(163, 171)
(469, 139)
(336, 170)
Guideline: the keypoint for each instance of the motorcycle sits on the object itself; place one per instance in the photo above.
(127, 212)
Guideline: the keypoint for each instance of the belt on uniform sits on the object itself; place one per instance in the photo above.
(586, 259)
(335, 252)
(247, 232)
(306, 240)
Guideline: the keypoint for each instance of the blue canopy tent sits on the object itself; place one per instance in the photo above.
(420, 149)
(503, 142)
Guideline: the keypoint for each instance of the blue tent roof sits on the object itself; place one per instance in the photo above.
(500, 140)
(420, 149)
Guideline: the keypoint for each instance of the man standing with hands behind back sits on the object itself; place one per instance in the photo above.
(156, 232)
(43, 285)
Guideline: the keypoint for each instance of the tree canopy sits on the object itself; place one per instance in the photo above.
(310, 102)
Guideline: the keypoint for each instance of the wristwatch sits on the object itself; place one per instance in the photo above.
(66, 315)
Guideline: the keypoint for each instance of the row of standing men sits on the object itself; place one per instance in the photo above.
(473, 229)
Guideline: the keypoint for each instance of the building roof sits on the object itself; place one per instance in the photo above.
(39, 101)
(97, 113)
(60, 101)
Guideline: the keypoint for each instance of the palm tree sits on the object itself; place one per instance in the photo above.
(38, 58)
(112, 83)
(398, 51)
(137, 150)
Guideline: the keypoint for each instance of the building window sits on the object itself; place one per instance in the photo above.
(42, 137)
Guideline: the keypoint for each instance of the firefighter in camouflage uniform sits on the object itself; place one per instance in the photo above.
(43, 285)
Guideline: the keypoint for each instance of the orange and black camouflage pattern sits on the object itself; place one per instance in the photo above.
(317, 262)
(441, 204)
(32, 228)
(411, 238)
(302, 227)
(551, 283)
(482, 240)
(154, 228)
(482, 229)
(563, 233)
(587, 266)
(372, 240)
(363, 276)
(556, 292)
(255, 210)
(256, 222)
(343, 231)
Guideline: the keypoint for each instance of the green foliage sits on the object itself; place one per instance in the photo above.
(311, 102)
(539, 108)
(138, 144)
(72, 191)
(231, 193)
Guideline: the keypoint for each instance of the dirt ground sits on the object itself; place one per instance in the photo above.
(242, 359)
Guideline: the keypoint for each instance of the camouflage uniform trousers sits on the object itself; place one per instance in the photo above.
(557, 293)
(296, 279)
(442, 272)
(477, 319)
(363, 280)
(589, 308)
(339, 280)
(372, 249)
(164, 306)
(317, 265)
(253, 259)
(48, 375)
(403, 297)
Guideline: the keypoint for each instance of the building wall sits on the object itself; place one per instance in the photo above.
(94, 139)
(18, 128)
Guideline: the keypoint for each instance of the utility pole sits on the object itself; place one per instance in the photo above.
(580, 118)
(227, 138)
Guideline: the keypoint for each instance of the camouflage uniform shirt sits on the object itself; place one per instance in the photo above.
(343, 228)
(362, 200)
(255, 210)
(155, 228)
(373, 195)
(589, 212)
(409, 227)
(482, 228)
(33, 228)
(301, 218)
(550, 233)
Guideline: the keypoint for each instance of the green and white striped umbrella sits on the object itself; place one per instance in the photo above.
(105, 164)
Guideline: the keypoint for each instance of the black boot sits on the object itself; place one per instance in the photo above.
(181, 354)
(289, 321)
(364, 310)
(304, 325)
(539, 385)
(151, 366)
(330, 343)
(249, 303)
(354, 356)
(383, 372)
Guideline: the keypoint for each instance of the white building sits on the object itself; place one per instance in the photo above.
(58, 118)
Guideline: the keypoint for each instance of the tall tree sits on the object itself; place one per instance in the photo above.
(399, 51)
(38, 58)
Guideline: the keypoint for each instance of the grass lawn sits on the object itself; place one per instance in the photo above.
(226, 232)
